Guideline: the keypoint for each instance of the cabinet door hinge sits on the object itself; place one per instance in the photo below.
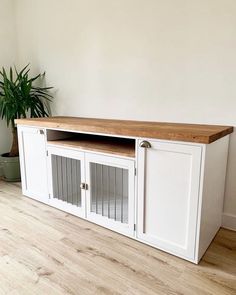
(135, 171)
(47, 153)
(134, 227)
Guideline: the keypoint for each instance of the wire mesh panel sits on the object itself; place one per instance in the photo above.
(109, 191)
(66, 179)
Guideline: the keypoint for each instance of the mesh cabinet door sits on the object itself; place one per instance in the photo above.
(109, 191)
(66, 179)
(67, 175)
(110, 194)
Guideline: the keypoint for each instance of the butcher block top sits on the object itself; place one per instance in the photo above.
(158, 130)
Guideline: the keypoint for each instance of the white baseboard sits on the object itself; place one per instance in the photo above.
(229, 221)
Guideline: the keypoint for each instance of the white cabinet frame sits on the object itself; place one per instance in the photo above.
(204, 183)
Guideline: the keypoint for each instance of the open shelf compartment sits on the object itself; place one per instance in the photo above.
(124, 147)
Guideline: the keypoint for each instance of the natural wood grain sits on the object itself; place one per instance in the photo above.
(115, 147)
(169, 131)
(46, 251)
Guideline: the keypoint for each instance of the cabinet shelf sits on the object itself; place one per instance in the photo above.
(115, 146)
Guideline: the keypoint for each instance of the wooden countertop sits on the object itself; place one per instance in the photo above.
(159, 130)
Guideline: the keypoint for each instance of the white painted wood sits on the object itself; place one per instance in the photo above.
(168, 194)
(127, 229)
(61, 204)
(32, 148)
(212, 192)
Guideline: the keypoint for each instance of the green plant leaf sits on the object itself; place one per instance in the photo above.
(20, 98)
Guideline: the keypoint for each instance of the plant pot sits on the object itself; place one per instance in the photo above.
(10, 167)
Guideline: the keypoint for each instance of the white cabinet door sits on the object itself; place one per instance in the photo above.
(168, 194)
(110, 192)
(66, 175)
(33, 160)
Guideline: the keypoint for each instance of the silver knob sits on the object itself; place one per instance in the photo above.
(145, 144)
(84, 186)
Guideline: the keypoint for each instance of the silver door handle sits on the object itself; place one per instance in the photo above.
(145, 144)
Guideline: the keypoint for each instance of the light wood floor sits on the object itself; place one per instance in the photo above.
(46, 251)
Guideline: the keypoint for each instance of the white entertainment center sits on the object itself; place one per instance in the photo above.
(159, 183)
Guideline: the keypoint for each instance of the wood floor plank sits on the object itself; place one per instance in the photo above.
(47, 251)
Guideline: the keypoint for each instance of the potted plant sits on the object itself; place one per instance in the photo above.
(20, 98)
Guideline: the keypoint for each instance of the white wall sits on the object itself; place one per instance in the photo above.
(7, 57)
(163, 60)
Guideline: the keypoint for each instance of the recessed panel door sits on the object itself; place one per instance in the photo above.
(168, 195)
(33, 162)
